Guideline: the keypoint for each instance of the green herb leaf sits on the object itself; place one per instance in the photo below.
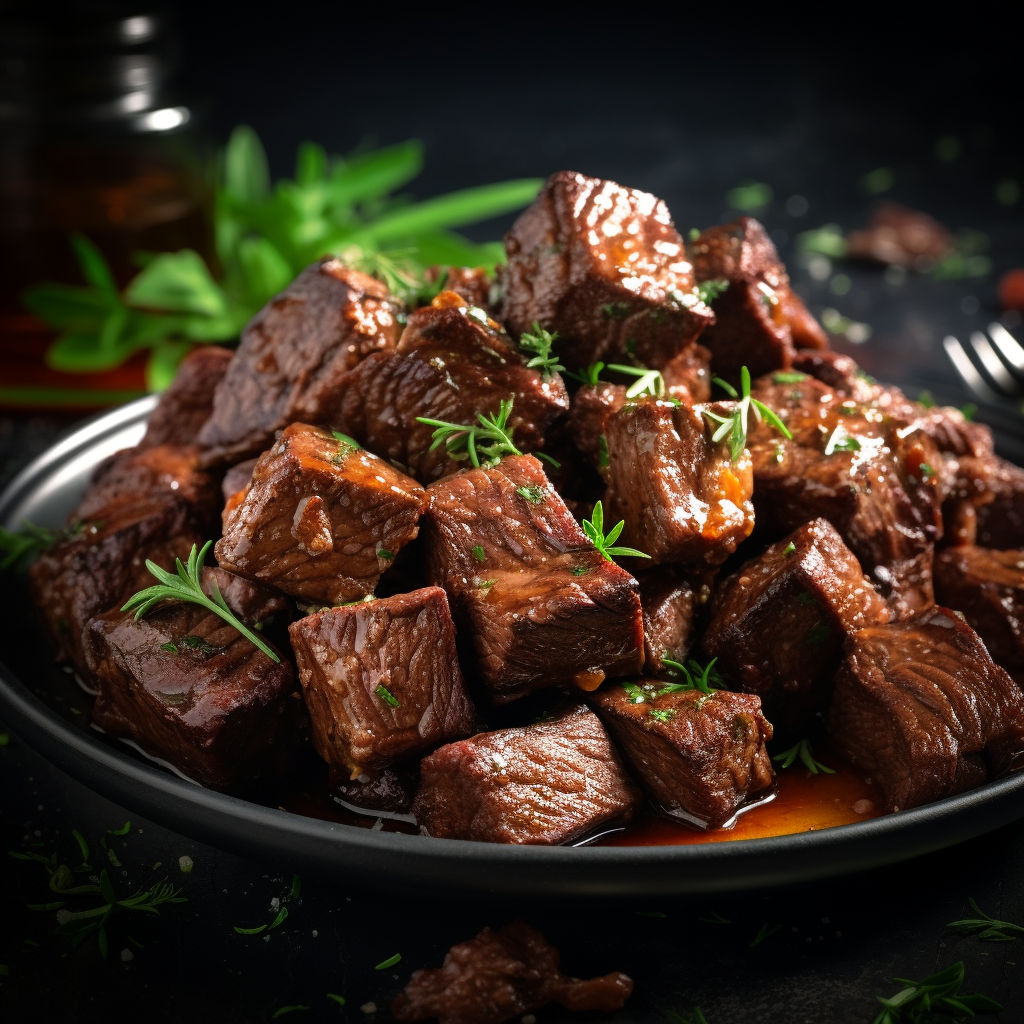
(987, 928)
(603, 542)
(177, 282)
(734, 426)
(390, 962)
(387, 696)
(751, 197)
(802, 750)
(937, 994)
(93, 265)
(492, 439)
(696, 677)
(648, 382)
(841, 441)
(695, 1016)
(251, 931)
(287, 1009)
(789, 377)
(588, 375)
(539, 343)
(789, 549)
(282, 915)
(708, 291)
(534, 494)
(763, 933)
(478, 553)
(603, 458)
(340, 1000)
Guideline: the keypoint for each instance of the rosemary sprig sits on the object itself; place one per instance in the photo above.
(697, 678)
(988, 929)
(18, 547)
(594, 529)
(937, 994)
(539, 342)
(735, 425)
(491, 439)
(187, 586)
(802, 750)
(648, 382)
(589, 374)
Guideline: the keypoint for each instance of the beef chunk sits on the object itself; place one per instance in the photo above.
(541, 606)
(900, 237)
(500, 975)
(758, 318)
(252, 602)
(672, 601)
(994, 488)
(688, 376)
(921, 706)
(186, 405)
(699, 757)
(190, 689)
(295, 357)
(544, 784)
(452, 364)
(604, 266)
(592, 406)
(474, 284)
(237, 479)
(681, 496)
(321, 519)
(873, 477)
(386, 791)
(382, 680)
(988, 588)
(777, 624)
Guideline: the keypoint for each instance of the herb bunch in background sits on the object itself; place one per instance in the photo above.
(265, 235)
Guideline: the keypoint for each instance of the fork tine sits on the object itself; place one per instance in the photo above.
(995, 367)
(968, 371)
(1009, 348)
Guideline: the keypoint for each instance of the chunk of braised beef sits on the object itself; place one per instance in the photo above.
(538, 604)
(759, 321)
(474, 284)
(699, 757)
(386, 790)
(899, 236)
(682, 497)
(988, 588)
(381, 679)
(321, 519)
(500, 975)
(673, 600)
(186, 405)
(252, 602)
(453, 363)
(921, 706)
(295, 358)
(236, 479)
(191, 690)
(549, 783)
(994, 490)
(778, 622)
(875, 478)
(688, 376)
(603, 266)
(592, 405)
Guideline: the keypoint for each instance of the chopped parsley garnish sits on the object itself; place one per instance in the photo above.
(841, 441)
(580, 570)
(534, 493)
(635, 694)
(390, 962)
(346, 446)
(386, 695)
(648, 382)
(802, 750)
(927, 471)
(696, 678)
(539, 342)
(789, 549)
(171, 647)
(492, 438)
(594, 529)
(788, 377)
(187, 586)
(735, 425)
(478, 553)
(485, 584)
(939, 993)
(708, 291)
(385, 554)
(662, 714)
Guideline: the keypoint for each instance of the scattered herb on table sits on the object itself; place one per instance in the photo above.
(715, 918)
(604, 542)
(763, 934)
(539, 342)
(491, 438)
(937, 994)
(988, 929)
(288, 1009)
(187, 586)
(695, 1016)
(390, 962)
(734, 426)
(802, 750)
(340, 1000)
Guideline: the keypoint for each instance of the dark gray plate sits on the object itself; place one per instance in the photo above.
(43, 705)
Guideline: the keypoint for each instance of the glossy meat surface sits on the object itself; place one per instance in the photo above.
(682, 498)
(539, 604)
(698, 757)
(994, 489)
(321, 519)
(191, 690)
(922, 707)
(778, 622)
(605, 267)
(295, 357)
(500, 975)
(988, 588)
(673, 601)
(452, 364)
(382, 680)
(544, 784)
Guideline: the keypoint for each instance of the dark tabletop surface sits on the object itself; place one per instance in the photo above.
(688, 129)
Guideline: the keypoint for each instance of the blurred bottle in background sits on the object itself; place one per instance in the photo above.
(94, 138)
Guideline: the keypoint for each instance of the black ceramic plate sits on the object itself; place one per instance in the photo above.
(40, 703)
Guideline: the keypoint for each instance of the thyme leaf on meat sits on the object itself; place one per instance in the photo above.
(734, 426)
(987, 928)
(478, 553)
(841, 441)
(187, 586)
(589, 374)
(802, 750)
(534, 494)
(648, 382)
(937, 994)
(492, 438)
(696, 678)
(387, 696)
(788, 377)
(604, 542)
(708, 291)
(539, 342)
(662, 714)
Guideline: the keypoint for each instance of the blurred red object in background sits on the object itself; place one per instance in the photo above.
(1011, 290)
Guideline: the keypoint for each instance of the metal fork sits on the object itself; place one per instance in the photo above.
(1001, 358)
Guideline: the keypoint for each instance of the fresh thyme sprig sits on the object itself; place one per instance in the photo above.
(588, 375)
(648, 382)
(594, 529)
(697, 678)
(802, 750)
(841, 441)
(735, 425)
(492, 438)
(937, 994)
(988, 929)
(187, 586)
(539, 342)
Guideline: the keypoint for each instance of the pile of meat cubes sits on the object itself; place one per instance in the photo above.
(452, 643)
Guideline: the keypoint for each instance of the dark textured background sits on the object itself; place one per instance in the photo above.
(663, 104)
